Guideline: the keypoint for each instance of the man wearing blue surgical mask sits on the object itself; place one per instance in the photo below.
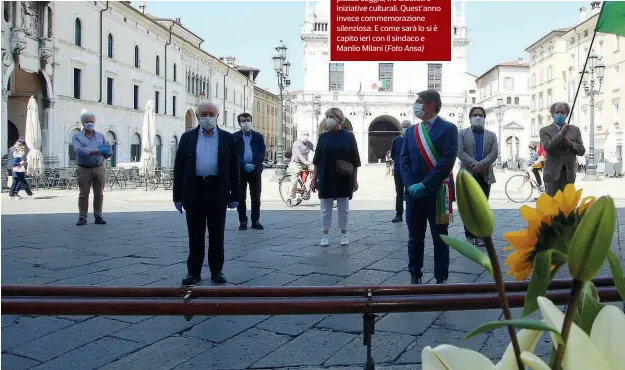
(92, 149)
(396, 146)
(563, 143)
(206, 184)
(251, 153)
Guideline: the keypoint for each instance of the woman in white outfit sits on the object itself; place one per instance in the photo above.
(336, 164)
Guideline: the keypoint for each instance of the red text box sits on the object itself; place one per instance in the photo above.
(390, 30)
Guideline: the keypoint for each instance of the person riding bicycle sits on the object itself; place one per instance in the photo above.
(299, 160)
(389, 163)
(536, 164)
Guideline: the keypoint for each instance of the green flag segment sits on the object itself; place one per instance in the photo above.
(612, 18)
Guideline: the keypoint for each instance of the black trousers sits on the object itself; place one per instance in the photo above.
(207, 211)
(486, 189)
(399, 193)
(254, 180)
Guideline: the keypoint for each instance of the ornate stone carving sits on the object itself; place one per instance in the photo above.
(7, 58)
(30, 18)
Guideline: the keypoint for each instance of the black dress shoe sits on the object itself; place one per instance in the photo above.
(191, 279)
(256, 225)
(219, 278)
(100, 221)
(81, 222)
(243, 226)
(416, 280)
(397, 219)
(441, 281)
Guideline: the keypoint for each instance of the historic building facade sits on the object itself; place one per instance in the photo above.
(109, 58)
(507, 83)
(266, 118)
(376, 97)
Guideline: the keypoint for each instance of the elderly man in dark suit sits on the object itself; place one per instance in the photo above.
(563, 143)
(477, 152)
(206, 183)
(251, 153)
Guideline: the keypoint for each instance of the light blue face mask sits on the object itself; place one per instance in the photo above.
(403, 130)
(559, 119)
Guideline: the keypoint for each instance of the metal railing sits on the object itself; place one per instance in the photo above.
(212, 301)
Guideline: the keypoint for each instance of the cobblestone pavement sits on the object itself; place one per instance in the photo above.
(145, 244)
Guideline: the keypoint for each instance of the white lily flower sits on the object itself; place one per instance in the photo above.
(603, 350)
(447, 357)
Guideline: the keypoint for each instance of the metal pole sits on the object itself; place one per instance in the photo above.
(500, 141)
(279, 155)
(591, 169)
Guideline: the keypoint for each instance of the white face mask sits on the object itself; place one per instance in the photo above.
(303, 138)
(403, 130)
(207, 123)
(89, 126)
(418, 110)
(331, 122)
(477, 122)
(246, 126)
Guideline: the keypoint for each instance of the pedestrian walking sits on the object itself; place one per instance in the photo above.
(18, 144)
(336, 164)
(251, 149)
(92, 150)
(19, 173)
(206, 184)
(477, 152)
(396, 147)
(427, 160)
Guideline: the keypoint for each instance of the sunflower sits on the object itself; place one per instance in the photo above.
(549, 226)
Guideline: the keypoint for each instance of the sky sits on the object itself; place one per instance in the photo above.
(499, 31)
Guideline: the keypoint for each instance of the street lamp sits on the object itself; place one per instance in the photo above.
(500, 109)
(282, 68)
(316, 112)
(594, 72)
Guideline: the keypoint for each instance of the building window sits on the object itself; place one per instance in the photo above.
(137, 61)
(508, 83)
(158, 65)
(509, 100)
(572, 41)
(158, 146)
(386, 76)
(533, 79)
(549, 98)
(135, 148)
(541, 103)
(585, 33)
(533, 127)
(175, 72)
(617, 43)
(336, 79)
(600, 47)
(435, 74)
(109, 91)
(156, 100)
(533, 102)
(617, 79)
(110, 46)
(77, 82)
(135, 97)
(173, 106)
(516, 101)
(217, 90)
(549, 73)
(225, 118)
(78, 32)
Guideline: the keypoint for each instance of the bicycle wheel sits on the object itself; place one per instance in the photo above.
(519, 189)
(284, 186)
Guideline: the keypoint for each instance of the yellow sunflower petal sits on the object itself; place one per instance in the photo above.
(585, 204)
(521, 239)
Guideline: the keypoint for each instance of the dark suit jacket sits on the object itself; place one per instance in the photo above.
(558, 154)
(396, 146)
(258, 148)
(184, 168)
(414, 168)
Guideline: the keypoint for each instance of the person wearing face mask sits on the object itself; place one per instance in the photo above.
(477, 151)
(563, 143)
(396, 147)
(336, 163)
(300, 153)
(92, 149)
(19, 173)
(427, 160)
(251, 153)
(206, 184)
(19, 143)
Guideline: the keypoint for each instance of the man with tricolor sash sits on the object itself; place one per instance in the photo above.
(427, 159)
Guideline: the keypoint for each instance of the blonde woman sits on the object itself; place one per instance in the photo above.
(336, 164)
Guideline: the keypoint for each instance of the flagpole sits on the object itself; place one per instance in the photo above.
(581, 78)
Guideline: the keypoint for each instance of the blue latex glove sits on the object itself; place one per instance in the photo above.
(416, 190)
(178, 206)
(233, 205)
(104, 150)
(249, 167)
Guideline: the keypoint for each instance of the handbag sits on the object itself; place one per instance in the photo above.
(344, 168)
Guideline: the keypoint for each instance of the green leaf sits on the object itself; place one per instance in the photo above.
(588, 308)
(519, 324)
(469, 251)
(541, 276)
(617, 273)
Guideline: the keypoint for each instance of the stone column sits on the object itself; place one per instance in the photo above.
(18, 15)
(5, 120)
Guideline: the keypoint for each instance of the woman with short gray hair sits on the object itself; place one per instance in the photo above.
(336, 172)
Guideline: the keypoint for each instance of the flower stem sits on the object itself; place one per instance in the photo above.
(501, 291)
(571, 307)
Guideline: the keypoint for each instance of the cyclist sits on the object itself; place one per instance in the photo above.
(389, 164)
(536, 165)
(299, 161)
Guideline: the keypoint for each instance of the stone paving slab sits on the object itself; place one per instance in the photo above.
(145, 244)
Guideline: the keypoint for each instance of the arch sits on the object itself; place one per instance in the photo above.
(137, 60)
(188, 120)
(109, 49)
(172, 151)
(12, 132)
(516, 100)
(158, 65)
(175, 72)
(382, 131)
(513, 145)
(7, 10)
(135, 147)
(158, 148)
(508, 100)
(112, 138)
(77, 32)
(347, 125)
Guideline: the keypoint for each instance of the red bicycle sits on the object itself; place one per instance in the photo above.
(302, 188)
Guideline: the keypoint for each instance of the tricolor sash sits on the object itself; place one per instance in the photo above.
(444, 196)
